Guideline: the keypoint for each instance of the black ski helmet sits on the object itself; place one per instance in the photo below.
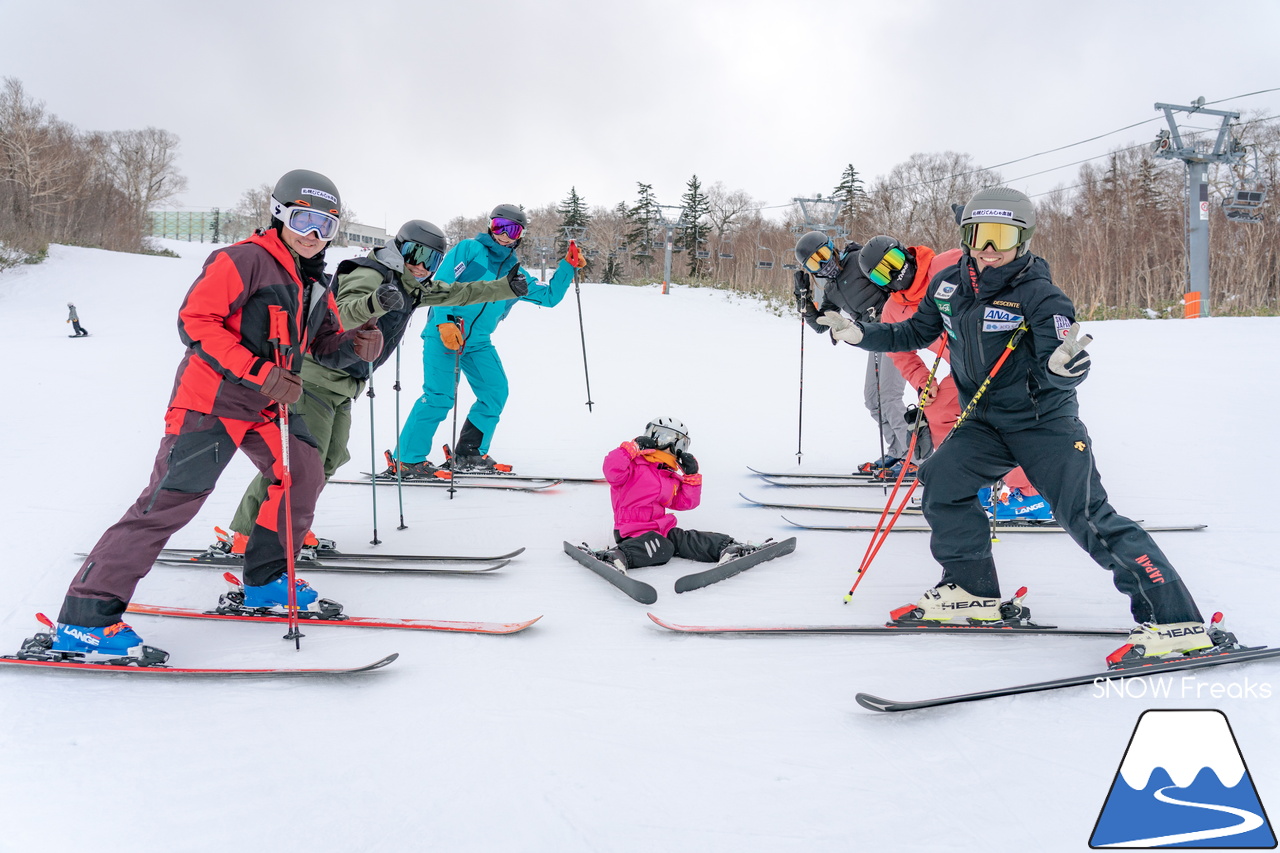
(1005, 205)
(514, 212)
(669, 433)
(873, 253)
(810, 243)
(305, 188)
(423, 233)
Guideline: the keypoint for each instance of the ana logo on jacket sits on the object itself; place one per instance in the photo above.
(998, 320)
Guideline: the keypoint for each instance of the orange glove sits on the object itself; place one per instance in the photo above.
(450, 336)
(574, 256)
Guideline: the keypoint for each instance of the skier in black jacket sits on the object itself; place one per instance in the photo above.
(1026, 416)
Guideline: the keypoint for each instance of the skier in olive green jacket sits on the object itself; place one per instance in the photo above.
(387, 284)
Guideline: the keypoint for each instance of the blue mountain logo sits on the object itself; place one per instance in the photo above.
(1183, 783)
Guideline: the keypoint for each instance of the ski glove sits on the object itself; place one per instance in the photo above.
(368, 340)
(517, 282)
(387, 298)
(282, 386)
(644, 442)
(450, 335)
(1070, 359)
(842, 329)
(574, 256)
(803, 289)
(688, 464)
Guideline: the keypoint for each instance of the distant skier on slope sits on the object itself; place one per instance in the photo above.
(1027, 415)
(227, 395)
(74, 319)
(647, 476)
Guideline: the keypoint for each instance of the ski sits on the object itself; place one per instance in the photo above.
(1211, 658)
(350, 621)
(858, 477)
(516, 486)
(323, 554)
(838, 484)
(81, 666)
(1000, 527)
(911, 510)
(204, 560)
(638, 590)
(891, 628)
(505, 476)
(729, 568)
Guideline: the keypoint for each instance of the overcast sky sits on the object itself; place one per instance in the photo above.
(437, 109)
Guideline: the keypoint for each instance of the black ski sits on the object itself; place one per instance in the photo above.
(1211, 658)
(505, 476)
(728, 569)
(463, 483)
(910, 510)
(891, 628)
(638, 590)
(352, 556)
(1001, 527)
(838, 484)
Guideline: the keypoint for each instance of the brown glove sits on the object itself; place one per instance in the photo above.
(368, 340)
(450, 335)
(282, 386)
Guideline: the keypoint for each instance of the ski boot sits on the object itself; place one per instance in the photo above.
(948, 602)
(313, 548)
(1013, 505)
(116, 645)
(885, 461)
(891, 472)
(1171, 640)
(613, 556)
(229, 545)
(473, 463)
(423, 470)
(734, 550)
(272, 599)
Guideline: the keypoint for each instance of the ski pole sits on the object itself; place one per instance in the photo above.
(373, 458)
(879, 408)
(399, 478)
(968, 410)
(582, 332)
(457, 375)
(279, 335)
(800, 418)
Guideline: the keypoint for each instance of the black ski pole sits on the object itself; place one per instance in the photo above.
(800, 420)
(582, 332)
(373, 458)
(879, 407)
(399, 479)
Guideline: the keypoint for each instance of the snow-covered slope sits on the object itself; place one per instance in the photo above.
(595, 730)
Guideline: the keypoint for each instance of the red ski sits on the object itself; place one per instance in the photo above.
(350, 621)
(80, 666)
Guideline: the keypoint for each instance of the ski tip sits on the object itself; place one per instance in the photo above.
(873, 703)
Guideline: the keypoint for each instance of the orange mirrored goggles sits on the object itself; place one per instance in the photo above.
(1001, 236)
(815, 261)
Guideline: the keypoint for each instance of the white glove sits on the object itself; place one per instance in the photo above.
(842, 329)
(1070, 359)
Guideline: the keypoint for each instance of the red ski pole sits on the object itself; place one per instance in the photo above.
(279, 336)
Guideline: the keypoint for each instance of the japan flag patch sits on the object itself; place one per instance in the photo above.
(1061, 325)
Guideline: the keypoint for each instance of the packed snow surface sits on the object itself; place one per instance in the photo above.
(596, 730)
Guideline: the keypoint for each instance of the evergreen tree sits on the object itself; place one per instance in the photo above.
(642, 222)
(696, 206)
(852, 196)
(573, 214)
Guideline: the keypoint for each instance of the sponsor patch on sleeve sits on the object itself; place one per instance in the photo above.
(1061, 325)
(946, 322)
(945, 290)
(944, 307)
(457, 271)
(999, 320)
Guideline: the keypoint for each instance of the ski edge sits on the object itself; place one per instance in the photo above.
(73, 666)
(351, 621)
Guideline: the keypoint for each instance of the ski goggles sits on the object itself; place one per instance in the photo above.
(1001, 236)
(419, 255)
(303, 220)
(888, 268)
(820, 258)
(507, 227)
(667, 437)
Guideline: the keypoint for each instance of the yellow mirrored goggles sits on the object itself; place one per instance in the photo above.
(815, 261)
(1001, 236)
(890, 265)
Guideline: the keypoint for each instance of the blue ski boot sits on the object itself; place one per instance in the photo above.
(274, 596)
(1013, 505)
(114, 644)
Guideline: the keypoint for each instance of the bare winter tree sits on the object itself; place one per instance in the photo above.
(143, 166)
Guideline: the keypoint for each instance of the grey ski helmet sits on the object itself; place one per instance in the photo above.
(811, 242)
(669, 433)
(514, 212)
(1003, 205)
(421, 242)
(305, 188)
(890, 273)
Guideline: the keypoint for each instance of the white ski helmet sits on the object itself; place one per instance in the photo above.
(669, 433)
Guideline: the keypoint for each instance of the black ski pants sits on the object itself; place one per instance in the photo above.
(654, 549)
(1057, 456)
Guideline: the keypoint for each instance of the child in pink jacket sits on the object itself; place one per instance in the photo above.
(649, 475)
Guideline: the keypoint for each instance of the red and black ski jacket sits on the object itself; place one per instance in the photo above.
(225, 321)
